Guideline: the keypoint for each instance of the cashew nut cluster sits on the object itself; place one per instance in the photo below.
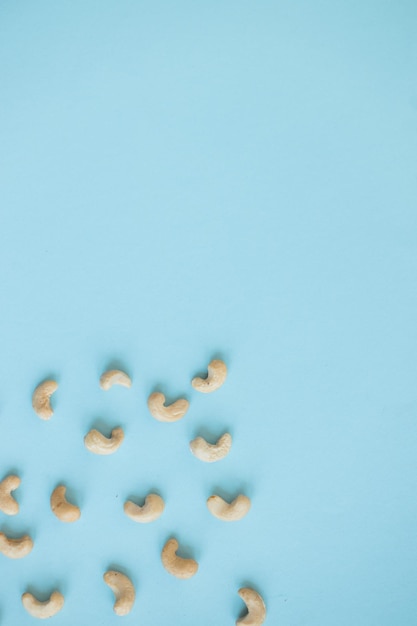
(7, 502)
(153, 507)
(210, 453)
(123, 590)
(98, 443)
(217, 372)
(149, 512)
(43, 610)
(171, 413)
(229, 512)
(176, 565)
(15, 548)
(64, 510)
(41, 399)
(256, 608)
(114, 377)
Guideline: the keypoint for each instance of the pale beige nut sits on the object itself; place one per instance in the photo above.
(210, 453)
(176, 565)
(43, 610)
(229, 512)
(64, 510)
(114, 377)
(171, 413)
(149, 512)
(256, 608)
(41, 399)
(7, 502)
(123, 590)
(98, 443)
(217, 372)
(15, 548)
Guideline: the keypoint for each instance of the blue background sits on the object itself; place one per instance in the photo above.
(182, 180)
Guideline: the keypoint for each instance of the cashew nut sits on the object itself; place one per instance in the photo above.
(217, 372)
(41, 399)
(43, 610)
(170, 413)
(114, 377)
(98, 443)
(256, 608)
(228, 512)
(211, 452)
(64, 510)
(150, 511)
(15, 548)
(175, 565)
(123, 590)
(7, 502)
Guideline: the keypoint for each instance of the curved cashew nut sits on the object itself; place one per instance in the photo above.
(114, 377)
(150, 511)
(123, 590)
(64, 510)
(217, 372)
(229, 512)
(175, 565)
(98, 443)
(211, 452)
(256, 608)
(41, 399)
(7, 503)
(43, 610)
(15, 548)
(170, 413)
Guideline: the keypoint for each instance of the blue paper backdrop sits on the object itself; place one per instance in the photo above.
(182, 180)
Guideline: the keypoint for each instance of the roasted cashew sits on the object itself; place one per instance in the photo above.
(228, 512)
(211, 452)
(123, 590)
(43, 610)
(171, 413)
(175, 565)
(217, 372)
(98, 443)
(7, 502)
(114, 377)
(256, 608)
(15, 548)
(64, 510)
(150, 511)
(41, 399)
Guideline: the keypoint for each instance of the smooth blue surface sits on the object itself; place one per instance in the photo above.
(181, 180)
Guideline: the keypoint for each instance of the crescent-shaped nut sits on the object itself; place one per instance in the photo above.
(15, 548)
(64, 510)
(98, 443)
(229, 512)
(41, 399)
(217, 372)
(149, 512)
(175, 565)
(171, 413)
(43, 610)
(114, 377)
(123, 590)
(7, 502)
(210, 453)
(256, 608)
